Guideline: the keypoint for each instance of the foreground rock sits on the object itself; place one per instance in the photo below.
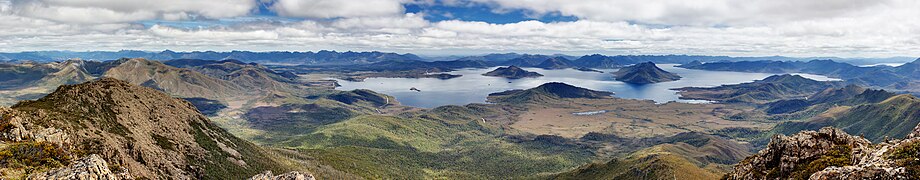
(293, 175)
(644, 73)
(91, 167)
(830, 154)
(512, 72)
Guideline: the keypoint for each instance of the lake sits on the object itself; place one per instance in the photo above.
(473, 87)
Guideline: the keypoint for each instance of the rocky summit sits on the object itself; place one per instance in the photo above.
(294, 175)
(129, 129)
(830, 153)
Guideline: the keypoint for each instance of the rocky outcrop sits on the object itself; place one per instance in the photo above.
(91, 167)
(293, 175)
(19, 130)
(829, 153)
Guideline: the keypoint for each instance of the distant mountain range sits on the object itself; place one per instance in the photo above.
(278, 57)
(325, 57)
(904, 77)
(769, 89)
(184, 77)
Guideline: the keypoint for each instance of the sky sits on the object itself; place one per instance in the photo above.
(804, 28)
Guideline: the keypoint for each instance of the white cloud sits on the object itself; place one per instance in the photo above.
(122, 11)
(713, 27)
(388, 24)
(218, 35)
(698, 12)
(338, 8)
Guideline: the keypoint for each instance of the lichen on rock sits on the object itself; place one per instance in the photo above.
(293, 175)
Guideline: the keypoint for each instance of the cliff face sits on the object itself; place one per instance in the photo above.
(143, 132)
(830, 154)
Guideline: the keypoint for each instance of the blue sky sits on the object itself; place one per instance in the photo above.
(435, 12)
(845, 28)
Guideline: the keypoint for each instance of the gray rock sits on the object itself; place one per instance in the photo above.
(784, 153)
(91, 167)
(293, 175)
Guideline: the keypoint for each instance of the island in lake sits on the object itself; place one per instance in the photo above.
(644, 73)
(512, 72)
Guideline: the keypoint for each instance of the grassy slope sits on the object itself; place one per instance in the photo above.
(420, 148)
(666, 161)
(895, 117)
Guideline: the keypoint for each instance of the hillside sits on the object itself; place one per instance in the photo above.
(16, 76)
(136, 130)
(555, 63)
(512, 72)
(684, 156)
(546, 91)
(600, 61)
(850, 95)
(526, 60)
(901, 77)
(250, 76)
(173, 80)
(644, 73)
(69, 72)
(892, 118)
(776, 87)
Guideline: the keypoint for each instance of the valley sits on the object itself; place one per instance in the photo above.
(459, 89)
(532, 128)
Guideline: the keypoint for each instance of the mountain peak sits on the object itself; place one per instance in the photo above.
(644, 73)
(551, 90)
(145, 131)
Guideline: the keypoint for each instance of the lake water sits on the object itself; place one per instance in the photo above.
(473, 87)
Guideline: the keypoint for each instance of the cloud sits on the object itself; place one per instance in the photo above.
(123, 11)
(700, 12)
(337, 8)
(711, 27)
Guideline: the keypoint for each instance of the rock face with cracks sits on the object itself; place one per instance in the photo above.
(829, 153)
(91, 167)
(293, 175)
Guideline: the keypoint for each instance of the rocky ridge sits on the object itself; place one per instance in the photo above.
(293, 175)
(830, 153)
(91, 167)
(146, 133)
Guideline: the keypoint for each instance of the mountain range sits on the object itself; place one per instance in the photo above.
(904, 77)
(773, 88)
(144, 119)
(279, 57)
